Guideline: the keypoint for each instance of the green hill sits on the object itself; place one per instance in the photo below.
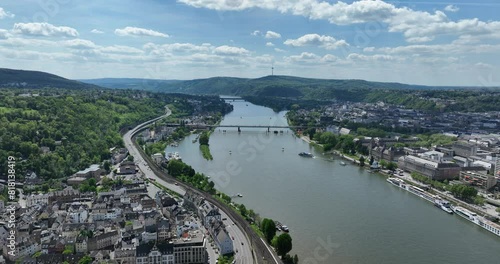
(10, 78)
(275, 86)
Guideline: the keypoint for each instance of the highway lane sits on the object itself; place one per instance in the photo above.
(141, 162)
(242, 243)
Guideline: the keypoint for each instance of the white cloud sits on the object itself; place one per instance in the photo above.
(451, 8)
(79, 44)
(230, 51)
(326, 42)
(329, 58)
(304, 57)
(118, 49)
(279, 50)
(4, 14)
(255, 33)
(272, 35)
(269, 44)
(369, 49)
(138, 32)
(43, 29)
(22, 42)
(177, 47)
(96, 31)
(442, 49)
(377, 57)
(4, 34)
(416, 26)
(309, 58)
(484, 66)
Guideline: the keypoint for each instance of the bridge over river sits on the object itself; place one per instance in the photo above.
(200, 126)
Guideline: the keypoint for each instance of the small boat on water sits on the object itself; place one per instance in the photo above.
(239, 195)
(342, 163)
(281, 227)
(306, 154)
(443, 205)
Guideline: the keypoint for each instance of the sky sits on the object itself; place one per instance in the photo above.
(416, 42)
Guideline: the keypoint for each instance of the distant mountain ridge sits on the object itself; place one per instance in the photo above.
(11, 78)
(272, 85)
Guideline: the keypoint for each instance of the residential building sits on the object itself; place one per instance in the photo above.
(127, 167)
(126, 255)
(221, 237)
(208, 212)
(103, 240)
(190, 248)
(478, 179)
(155, 253)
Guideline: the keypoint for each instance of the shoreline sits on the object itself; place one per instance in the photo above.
(407, 178)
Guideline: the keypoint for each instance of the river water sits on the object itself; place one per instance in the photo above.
(336, 214)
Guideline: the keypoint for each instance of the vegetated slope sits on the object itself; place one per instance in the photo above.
(129, 83)
(11, 78)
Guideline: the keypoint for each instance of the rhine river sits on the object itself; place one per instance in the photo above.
(336, 214)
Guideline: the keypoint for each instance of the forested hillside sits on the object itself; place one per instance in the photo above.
(77, 127)
(36, 79)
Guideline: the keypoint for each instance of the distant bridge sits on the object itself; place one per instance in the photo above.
(234, 99)
(242, 126)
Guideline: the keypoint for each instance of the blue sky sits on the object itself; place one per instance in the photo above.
(418, 42)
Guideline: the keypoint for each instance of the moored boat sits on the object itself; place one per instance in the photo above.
(478, 220)
(443, 205)
(306, 154)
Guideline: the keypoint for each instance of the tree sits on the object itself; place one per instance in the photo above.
(68, 250)
(371, 160)
(392, 166)
(268, 227)
(283, 244)
(107, 166)
(498, 210)
(204, 137)
(479, 200)
(130, 158)
(85, 260)
(251, 213)
(311, 131)
(463, 192)
(243, 210)
(383, 163)
(362, 161)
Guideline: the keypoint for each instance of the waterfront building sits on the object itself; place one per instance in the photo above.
(478, 179)
(434, 170)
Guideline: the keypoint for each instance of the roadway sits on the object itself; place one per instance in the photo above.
(241, 246)
(245, 238)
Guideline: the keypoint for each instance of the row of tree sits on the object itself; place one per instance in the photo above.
(282, 243)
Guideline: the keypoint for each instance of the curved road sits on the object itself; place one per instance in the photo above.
(251, 248)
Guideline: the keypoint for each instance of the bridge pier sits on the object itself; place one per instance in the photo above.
(239, 130)
(268, 129)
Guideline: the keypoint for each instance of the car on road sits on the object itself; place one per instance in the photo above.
(176, 183)
(242, 243)
(232, 237)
